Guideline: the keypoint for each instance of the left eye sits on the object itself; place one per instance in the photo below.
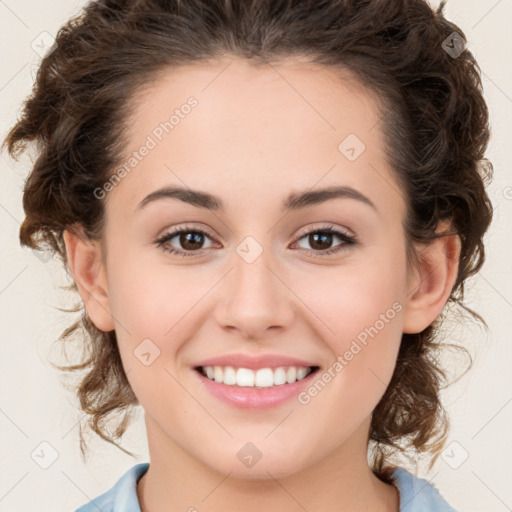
(325, 236)
(192, 239)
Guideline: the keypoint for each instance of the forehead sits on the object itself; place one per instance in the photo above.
(259, 131)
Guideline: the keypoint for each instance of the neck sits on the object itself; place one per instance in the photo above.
(176, 481)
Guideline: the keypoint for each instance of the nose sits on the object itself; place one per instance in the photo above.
(255, 299)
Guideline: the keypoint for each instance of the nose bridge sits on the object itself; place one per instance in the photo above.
(255, 299)
(253, 281)
(252, 275)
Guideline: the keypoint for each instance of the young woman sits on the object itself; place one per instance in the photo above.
(266, 206)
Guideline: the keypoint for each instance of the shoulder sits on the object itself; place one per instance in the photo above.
(122, 497)
(417, 494)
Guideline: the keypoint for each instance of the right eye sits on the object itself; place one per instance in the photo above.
(189, 238)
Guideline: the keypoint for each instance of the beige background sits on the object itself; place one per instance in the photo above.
(35, 408)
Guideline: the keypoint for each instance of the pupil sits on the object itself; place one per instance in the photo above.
(323, 237)
(191, 240)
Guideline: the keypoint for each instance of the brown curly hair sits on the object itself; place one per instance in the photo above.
(434, 119)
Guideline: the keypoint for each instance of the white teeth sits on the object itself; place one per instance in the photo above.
(279, 376)
(261, 378)
(301, 373)
(229, 375)
(291, 374)
(244, 377)
(217, 374)
(264, 378)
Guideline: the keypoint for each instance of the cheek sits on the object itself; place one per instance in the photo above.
(150, 313)
(358, 312)
(347, 300)
(363, 330)
(363, 336)
(150, 299)
(157, 310)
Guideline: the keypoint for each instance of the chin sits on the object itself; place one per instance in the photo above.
(260, 460)
(262, 470)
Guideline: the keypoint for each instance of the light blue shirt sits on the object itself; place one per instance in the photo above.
(416, 494)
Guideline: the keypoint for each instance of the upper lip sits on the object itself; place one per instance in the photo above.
(255, 362)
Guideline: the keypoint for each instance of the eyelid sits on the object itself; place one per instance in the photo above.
(323, 227)
(306, 230)
(175, 230)
(350, 239)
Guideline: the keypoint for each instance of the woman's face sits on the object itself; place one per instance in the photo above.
(259, 282)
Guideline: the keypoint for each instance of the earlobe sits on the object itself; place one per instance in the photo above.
(87, 269)
(432, 284)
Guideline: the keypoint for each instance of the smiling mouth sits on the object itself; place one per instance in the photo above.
(258, 379)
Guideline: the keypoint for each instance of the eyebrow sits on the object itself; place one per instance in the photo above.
(294, 201)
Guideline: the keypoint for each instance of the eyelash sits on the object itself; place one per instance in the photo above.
(348, 241)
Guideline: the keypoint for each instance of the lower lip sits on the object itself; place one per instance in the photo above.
(255, 398)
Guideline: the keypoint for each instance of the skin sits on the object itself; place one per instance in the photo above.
(257, 135)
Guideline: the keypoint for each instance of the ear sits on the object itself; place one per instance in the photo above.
(85, 263)
(431, 284)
